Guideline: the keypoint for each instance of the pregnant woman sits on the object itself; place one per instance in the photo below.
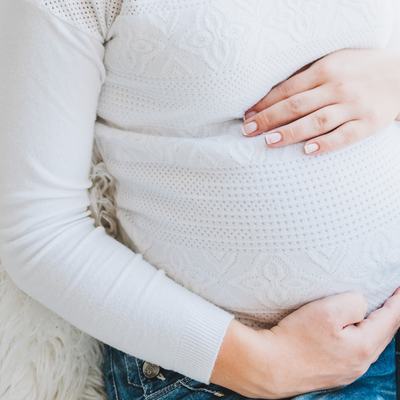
(254, 259)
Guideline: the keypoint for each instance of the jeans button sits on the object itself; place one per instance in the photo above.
(150, 370)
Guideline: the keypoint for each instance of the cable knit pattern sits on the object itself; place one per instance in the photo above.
(258, 232)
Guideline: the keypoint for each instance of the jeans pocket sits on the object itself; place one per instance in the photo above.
(115, 376)
(154, 380)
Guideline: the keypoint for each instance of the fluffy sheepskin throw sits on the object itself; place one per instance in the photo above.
(43, 357)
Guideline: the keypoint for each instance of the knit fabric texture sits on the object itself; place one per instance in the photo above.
(257, 231)
(201, 224)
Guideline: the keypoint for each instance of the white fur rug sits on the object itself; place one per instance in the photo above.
(43, 357)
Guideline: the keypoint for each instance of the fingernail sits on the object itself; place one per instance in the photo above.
(273, 137)
(250, 114)
(311, 148)
(249, 128)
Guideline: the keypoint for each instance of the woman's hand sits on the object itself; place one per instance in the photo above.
(336, 101)
(326, 343)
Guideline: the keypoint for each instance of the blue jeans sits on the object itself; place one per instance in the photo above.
(125, 380)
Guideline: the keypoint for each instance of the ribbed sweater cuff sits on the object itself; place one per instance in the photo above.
(201, 339)
(184, 331)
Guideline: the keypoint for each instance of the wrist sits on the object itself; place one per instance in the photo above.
(244, 362)
(231, 353)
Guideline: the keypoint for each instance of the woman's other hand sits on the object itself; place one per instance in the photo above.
(324, 344)
(334, 102)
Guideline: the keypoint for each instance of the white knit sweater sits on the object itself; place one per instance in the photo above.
(214, 224)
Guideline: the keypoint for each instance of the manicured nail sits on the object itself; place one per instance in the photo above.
(273, 137)
(250, 114)
(249, 128)
(311, 148)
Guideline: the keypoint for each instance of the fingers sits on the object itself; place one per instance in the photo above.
(344, 135)
(289, 109)
(305, 79)
(385, 318)
(379, 327)
(315, 124)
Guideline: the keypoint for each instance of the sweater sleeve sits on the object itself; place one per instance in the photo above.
(51, 72)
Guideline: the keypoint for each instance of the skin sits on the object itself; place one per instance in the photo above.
(334, 102)
(327, 343)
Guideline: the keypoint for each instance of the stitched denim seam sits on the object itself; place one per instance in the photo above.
(112, 373)
(153, 395)
(214, 392)
(159, 392)
(172, 386)
(128, 373)
(140, 377)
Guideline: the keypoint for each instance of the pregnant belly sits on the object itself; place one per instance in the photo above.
(260, 231)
